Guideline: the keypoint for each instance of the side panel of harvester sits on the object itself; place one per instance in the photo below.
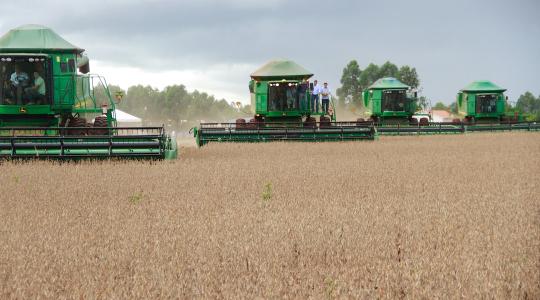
(64, 79)
(258, 91)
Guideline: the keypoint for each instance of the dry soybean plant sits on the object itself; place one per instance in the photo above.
(402, 217)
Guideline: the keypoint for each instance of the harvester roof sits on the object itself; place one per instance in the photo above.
(281, 69)
(483, 86)
(388, 83)
(35, 38)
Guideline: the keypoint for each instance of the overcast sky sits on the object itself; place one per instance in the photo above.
(213, 45)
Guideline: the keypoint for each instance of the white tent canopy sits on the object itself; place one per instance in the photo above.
(123, 119)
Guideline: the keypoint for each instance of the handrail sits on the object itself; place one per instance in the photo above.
(333, 108)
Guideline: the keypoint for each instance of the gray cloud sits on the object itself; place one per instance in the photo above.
(450, 43)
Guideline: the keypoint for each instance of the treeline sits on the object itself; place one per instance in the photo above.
(175, 105)
(529, 106)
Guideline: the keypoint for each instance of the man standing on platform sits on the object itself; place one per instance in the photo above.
(315, 97)
(325, 92)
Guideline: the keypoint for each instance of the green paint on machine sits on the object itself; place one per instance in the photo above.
(481, 101)
(389, 98)
(47, 99)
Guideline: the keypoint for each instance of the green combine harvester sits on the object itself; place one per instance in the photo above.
(389, 101)
(391, 106)
(47, 104)
(481, 101)
(482, 107)
(280, 99)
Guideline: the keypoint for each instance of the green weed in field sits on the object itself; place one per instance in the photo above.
(267, 192)
(136, 198)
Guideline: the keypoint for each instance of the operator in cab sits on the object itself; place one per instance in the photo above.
(19, 80)
(36, 93)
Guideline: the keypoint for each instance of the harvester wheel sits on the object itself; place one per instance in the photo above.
(469, 120)
(99, 123)
(253, 124)
(456, 121)
(413, 121)
(424, 121)
(324, 122)
(310, 123)
(240, 123)
(508, 120)
(77, 122)
(374, 120)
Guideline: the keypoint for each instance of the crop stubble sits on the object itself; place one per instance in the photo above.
(403, 217)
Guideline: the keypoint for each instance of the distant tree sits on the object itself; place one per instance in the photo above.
(246, 110)
(527, 103)
(175, 105)
(423, 103)
(373, 72)
(368, 76)
(440, 106)
(388, 69)
(142, 101)
(408, 76)
(101, 94)
(453, 108)
(350, 90)
(529, 106)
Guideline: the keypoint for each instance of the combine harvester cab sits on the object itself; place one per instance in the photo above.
(392, 105)
(482, 107)
(280, 99)
(47, 106)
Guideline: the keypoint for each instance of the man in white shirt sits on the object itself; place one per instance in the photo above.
(290, 93)
(315, 96)
(325, 93)
(36, 93)
(19, 80)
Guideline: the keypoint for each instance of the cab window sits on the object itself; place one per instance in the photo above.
(24, 80)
